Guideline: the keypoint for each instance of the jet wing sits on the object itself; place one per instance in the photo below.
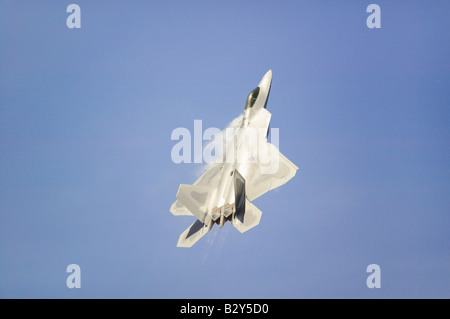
(260, 120)
(265, 178)
(209, 178)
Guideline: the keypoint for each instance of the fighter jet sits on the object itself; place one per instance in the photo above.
(248, 168)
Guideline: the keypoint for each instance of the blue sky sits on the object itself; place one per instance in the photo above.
(86, 175)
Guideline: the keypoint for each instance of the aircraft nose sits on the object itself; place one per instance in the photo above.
(266, 80)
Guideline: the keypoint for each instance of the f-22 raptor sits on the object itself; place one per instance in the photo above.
(252, 167)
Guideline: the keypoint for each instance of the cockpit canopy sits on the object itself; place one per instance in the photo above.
(251, 99)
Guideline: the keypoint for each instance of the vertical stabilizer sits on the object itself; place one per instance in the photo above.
(246, 215)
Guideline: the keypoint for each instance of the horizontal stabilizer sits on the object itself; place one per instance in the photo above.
(250, 218)
(191, 235)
